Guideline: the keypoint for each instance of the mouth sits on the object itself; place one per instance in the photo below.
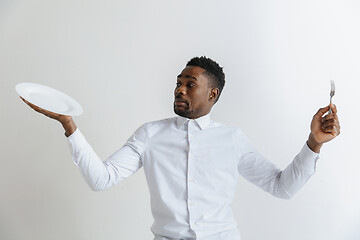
(179, 102)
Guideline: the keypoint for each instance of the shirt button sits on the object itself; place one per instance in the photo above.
(191, 203)
(191, 180)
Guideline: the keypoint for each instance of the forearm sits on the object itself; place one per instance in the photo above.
(90, 165)
(103, 174)
(282, 184)
(295, 175)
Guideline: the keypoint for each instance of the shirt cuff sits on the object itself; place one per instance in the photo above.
(308, 157)
(76, 139)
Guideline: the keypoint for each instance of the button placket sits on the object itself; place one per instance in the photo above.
(190, 173)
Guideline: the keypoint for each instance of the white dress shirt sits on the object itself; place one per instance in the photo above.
(191, 167)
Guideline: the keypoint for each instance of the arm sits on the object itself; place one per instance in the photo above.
(98, 174)
(284, 184)
(103, 174)
(258, 170)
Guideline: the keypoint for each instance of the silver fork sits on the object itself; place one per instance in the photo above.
(332, 92)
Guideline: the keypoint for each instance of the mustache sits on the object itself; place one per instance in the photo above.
(180, 99)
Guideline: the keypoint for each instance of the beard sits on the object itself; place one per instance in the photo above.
(183, 112)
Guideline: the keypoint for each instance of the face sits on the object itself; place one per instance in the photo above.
(193, 93)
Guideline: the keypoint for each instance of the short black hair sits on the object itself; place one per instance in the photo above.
(212, 70)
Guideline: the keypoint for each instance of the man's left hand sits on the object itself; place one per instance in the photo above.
(323, 129)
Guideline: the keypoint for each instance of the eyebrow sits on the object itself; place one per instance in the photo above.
(186, 76)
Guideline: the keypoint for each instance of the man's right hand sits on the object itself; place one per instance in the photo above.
(66, 121)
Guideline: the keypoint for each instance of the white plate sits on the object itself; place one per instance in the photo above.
(49, 99)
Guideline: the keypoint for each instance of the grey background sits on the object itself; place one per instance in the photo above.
(120, 60)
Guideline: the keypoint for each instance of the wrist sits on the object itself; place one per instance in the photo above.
(68, 124)
(313, 144)
(64, 119)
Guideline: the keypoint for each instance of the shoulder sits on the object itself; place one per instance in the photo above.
(158, 123)
(236, 133)
(225, 127)
(150, 128)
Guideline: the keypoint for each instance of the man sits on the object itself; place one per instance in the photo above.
(191, 162)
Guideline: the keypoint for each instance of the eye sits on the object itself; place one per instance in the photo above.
(178, 84)
(191, 85)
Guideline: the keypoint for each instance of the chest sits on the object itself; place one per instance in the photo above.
(207, 153)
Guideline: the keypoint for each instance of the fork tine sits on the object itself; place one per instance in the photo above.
(332, 92)
(332, 82)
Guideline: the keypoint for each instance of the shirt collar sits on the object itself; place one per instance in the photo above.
(202, 121)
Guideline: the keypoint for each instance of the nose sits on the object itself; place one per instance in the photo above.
(180, 90)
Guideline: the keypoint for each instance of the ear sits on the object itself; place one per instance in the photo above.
(214, 93)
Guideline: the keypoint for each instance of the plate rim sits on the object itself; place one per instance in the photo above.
(23, 85)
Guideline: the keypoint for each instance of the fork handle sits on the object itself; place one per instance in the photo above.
(330, 110)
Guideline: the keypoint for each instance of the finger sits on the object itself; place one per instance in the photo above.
(330, 116)
(333, 108)
(332, 130)
(34, 107)
(28, 103)
(24, 100)
(322, 111)
(328, 123)
(331, 124)
(46, 112)
(41, 110)
(329, 129)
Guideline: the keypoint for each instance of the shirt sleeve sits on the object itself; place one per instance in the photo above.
(99, 174)
(281, 183)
